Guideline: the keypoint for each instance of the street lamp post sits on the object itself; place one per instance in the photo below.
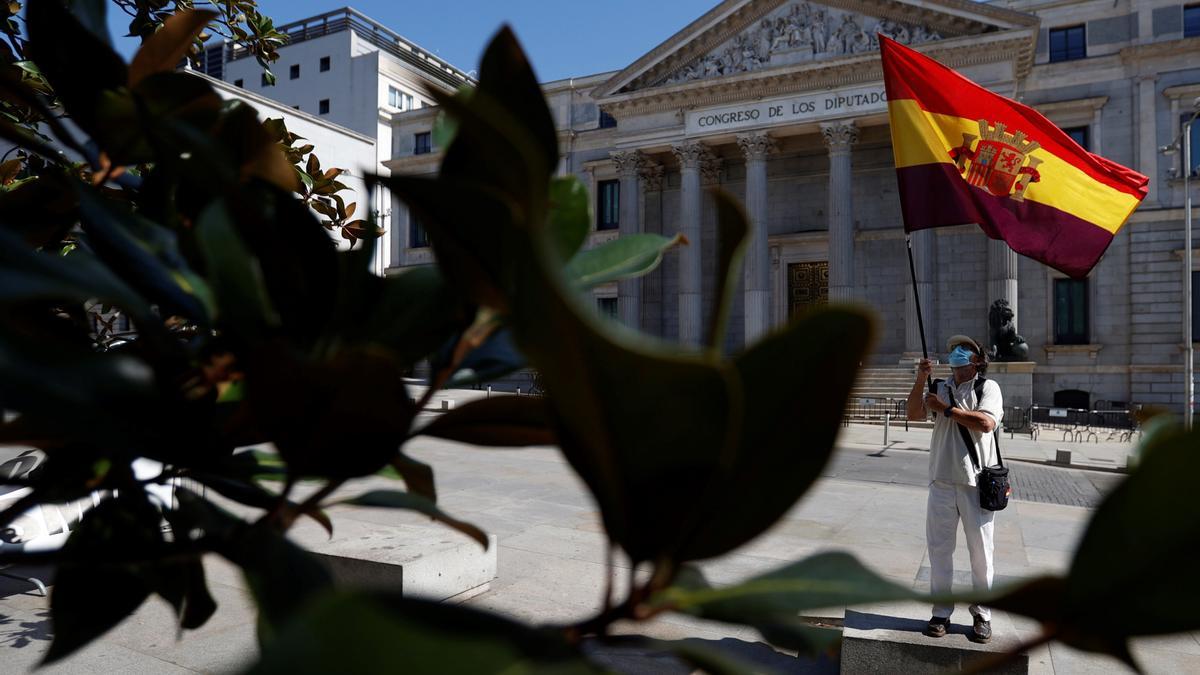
(1184, 142)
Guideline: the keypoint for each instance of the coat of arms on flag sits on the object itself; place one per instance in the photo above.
(1001, 163)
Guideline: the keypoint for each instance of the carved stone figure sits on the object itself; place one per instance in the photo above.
(921, 34)
(816, 31)
(1006, 345)
(861, 42)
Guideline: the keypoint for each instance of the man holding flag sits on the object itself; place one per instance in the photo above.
(966, 155)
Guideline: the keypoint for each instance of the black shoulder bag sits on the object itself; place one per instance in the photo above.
(994, 489)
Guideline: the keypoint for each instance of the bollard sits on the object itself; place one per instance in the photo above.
(489, 394)
(518, 391)
(887, 423)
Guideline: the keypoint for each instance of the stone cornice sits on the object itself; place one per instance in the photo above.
(949, 17)
(1165, 48)
(1017, 46)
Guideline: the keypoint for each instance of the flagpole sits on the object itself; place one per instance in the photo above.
(912, 269)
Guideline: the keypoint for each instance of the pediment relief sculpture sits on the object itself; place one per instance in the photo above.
(796, 33)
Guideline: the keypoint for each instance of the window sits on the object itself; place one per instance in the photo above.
(417, 237)
(608, 205)
(422, 143)
(1067, 44)
(239, 83)
(400, 100)
(323, 106)
(294, 72)
(393, 97)
(324, 63)
(1079, 135)
(1070, 312)
(607, 307)
(607, 121)
(1191, 21)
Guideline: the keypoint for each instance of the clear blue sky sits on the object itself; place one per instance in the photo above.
(564, 38)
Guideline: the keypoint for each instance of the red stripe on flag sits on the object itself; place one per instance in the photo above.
(934, 195)
(938, 89)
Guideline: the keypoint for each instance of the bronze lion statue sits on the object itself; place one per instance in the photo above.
(1006, 345)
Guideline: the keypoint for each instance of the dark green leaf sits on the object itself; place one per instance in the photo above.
(236, 276)
(732, 228)
(355, 633)
(570, 215)
(391, 499)
(59, 43)
(627, 257)
(90, 598)
(500, 421)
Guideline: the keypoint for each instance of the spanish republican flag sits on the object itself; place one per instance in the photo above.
(966, 155)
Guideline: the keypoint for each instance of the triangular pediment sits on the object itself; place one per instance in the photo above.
(741, 37)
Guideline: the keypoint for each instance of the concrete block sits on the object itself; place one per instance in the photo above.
(428, 561)
(447, 404)
(1062, 456)
(890, 639)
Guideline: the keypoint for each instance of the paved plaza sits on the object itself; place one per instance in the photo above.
(552, 555)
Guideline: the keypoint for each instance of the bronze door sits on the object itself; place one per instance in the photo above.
(808, 284)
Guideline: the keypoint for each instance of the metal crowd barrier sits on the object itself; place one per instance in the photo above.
(1083, 425)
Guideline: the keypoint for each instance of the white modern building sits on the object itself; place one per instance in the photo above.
(343, 68)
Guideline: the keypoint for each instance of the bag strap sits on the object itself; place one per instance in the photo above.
(962, 431)
(995, 432)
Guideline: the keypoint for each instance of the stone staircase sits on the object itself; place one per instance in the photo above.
(877, 385)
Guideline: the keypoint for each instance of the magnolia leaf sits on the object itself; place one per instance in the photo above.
(163, 50)
(627, 257)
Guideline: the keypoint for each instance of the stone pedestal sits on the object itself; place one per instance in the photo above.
(1016, 381)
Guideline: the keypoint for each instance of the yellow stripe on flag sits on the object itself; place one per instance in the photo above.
(920, 137)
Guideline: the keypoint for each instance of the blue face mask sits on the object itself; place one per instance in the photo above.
(961, 356)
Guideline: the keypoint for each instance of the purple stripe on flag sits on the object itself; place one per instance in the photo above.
(935, 195)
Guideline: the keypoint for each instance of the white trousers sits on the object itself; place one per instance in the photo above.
(948, 504)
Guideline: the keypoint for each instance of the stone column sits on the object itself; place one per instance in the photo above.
(694, 157)
(629, 291)
(839, 137)
(925, 264)
(757, 147)
(1002, 280)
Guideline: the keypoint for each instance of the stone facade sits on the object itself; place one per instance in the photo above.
(779, 102)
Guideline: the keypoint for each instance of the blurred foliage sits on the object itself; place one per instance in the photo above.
(191, 218)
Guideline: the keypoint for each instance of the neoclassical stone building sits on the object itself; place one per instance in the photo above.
(781, 103)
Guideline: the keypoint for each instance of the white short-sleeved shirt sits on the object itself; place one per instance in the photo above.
(948, 457)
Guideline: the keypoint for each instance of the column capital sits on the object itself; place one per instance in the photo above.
(693, 154)
(628, 162)
(756, 146)
(652, 175)
(839, 136)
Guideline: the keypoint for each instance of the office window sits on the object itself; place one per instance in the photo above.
(294, 72)
(1191, 21)
(323, 106)
(607, 121)
(608, 205)
(239, 83)
(607, 307)
(417, 237)
(324, 63)
(393, 97)
(1079, 135)
(1067, 44)
(422, 143)
(1070, 312)
(407, 100)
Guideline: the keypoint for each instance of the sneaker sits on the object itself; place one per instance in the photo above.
(937, 627)
(982, 631)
